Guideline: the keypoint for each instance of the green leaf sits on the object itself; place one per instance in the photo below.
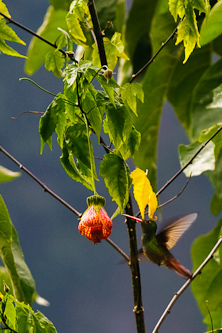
(207, 286)
(204, 161)
(188, 30)
(118, 124)
(129, 147)
(216, 179)
(7, 175)
(54, 61)
(211, 27)
(115, 173)
(130, 93)
(13, 258)
(77, 171)
(6, 33)
(205, 107)
(216, 204)
(48, 30)
(10, 313)
(114, 48)
(58, 4)
(52, 120)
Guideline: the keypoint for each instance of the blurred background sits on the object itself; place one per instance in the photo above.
(88, 291)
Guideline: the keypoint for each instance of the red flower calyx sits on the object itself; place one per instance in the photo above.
(95, 224)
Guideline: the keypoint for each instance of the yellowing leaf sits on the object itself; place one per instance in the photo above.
(143, 192)
(152, 204)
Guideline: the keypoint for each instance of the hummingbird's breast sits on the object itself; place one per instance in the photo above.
(155, 251)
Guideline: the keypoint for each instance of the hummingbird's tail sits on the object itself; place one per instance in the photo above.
(172, 263)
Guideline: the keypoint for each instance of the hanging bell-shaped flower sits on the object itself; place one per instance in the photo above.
(95, 224)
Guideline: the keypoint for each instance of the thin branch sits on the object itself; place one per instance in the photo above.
(186, 284)
(188, 163)
(176, 196)
(156, 54)
(36, 35)
(118, 249)
(98, 33)
(45, 188)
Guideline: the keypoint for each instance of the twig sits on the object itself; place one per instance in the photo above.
(186, 284)
(176, 196)
(45, 188)
(35, 34)
(118, 249)
(156, 54)
(98, 33)
(188, 163)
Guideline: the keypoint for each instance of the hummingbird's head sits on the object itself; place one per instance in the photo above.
(147, 225)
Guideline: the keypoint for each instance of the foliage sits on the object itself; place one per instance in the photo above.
(128, 112)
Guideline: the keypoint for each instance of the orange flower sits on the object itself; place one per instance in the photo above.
(95, 224)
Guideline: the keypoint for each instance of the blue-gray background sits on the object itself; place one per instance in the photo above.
(87, 290)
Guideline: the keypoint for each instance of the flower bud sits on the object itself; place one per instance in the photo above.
(95, 224)
(108, 73)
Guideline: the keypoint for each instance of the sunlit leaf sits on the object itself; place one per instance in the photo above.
(4, 10)
(129, 147)
(115, 173)
(204, 161)
(207, 286)
(54, 62)
(7, 34)
(7, 175)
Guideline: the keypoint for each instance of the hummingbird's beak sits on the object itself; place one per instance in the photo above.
(133, 217)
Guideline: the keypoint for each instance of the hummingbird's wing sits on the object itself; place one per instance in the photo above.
(170, 235)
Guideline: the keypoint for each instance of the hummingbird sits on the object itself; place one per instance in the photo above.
(156, 246)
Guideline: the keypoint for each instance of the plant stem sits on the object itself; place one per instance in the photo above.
(185, 285)
(135, 271)
(97, 32)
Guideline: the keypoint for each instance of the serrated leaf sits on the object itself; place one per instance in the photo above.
(6, 33)
(75, 29)
(130, 94)
(129, 147)
(143, 192)
(208, 286)
(13, 258)
(118, 124)
(115, 173)
(204, 161)
(48, 30)
(54, 62)
(188, 30)
(4, 10)
(211, 27)
(114, 49)
(52, 120)
(7, 175)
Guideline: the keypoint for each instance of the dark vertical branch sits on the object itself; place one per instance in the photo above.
(135, 272)
(97, 32)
